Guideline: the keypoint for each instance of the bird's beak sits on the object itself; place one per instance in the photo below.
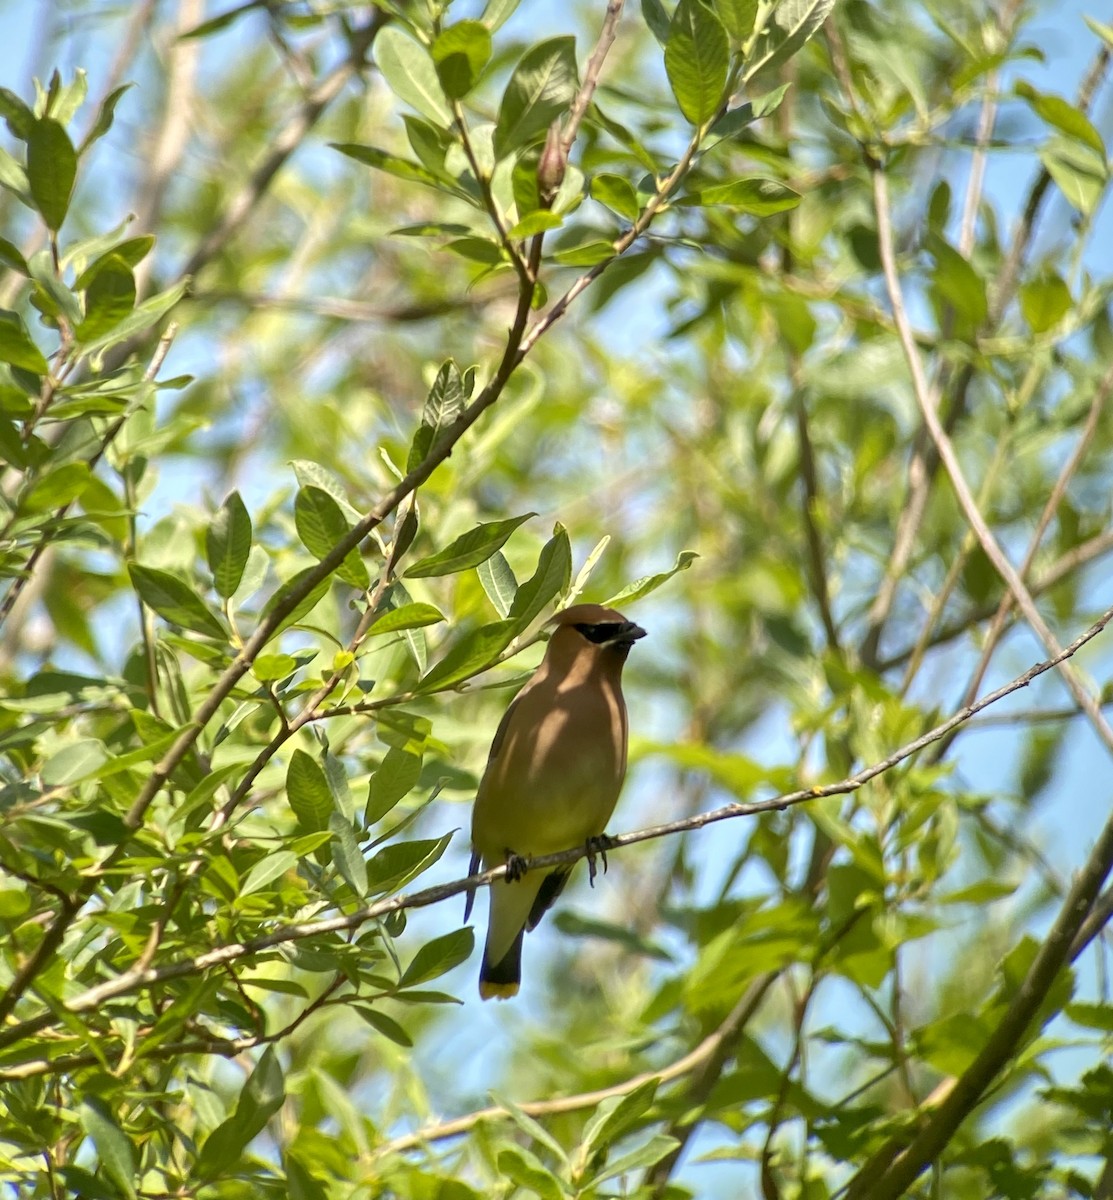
(628, 635)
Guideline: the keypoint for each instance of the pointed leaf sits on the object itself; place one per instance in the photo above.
(794, 23)
(650, 583)
(468, 550)
(16, 346)
(540, 90)
(475, 652)
(385, 1025)
(438, 957)
(409, 616)
(410, 74)
(554, 570)
(51, 170)
(227, 546)
(109, 298)
(114, 1148)
(394, 778)
(758, 197)
(308, 792)
(346, 854)
(175, 601)
(321, 525)
(696, 60)
(498, 582)
(396, 864)
(460, 53)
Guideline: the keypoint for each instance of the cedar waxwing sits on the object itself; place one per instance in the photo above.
(552, 780)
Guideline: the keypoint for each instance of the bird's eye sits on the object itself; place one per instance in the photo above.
(603, 632)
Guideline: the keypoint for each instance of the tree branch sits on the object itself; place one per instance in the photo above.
(131, 981)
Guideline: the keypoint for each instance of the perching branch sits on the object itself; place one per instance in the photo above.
(131, 981)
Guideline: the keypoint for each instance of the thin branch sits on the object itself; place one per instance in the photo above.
(131, 981)
(1050, 508)
(1078, 556)
(591, 74)
(893, 1169)
(947, 455)
(243, 204)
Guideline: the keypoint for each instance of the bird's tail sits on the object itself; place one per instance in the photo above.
(500, 980)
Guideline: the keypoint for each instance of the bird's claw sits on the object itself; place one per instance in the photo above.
(598, 846)
(516, 866)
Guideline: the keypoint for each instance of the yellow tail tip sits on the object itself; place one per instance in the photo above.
(496, 991)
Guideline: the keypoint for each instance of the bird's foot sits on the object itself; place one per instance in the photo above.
(516, 866)
(598, 846)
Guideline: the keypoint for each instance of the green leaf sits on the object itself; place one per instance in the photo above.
(756, 196)
(16, 346)
(650, 583)
(11, 257)
(402, 168)
(227, 546)
(524, 1168)
(554, 570)
(498, 582)
(958, 284)
(262, 1096)
(655, 16)
(737, 16)
(346, 854)
(58, 487)
(308, 792)
(540, 90)
(697, 56)
(51, 170)
(409, 616)
(105, 117)
(498, 12)
(468, 550)
(305, 604)
(269, 668)
(617, 193)
(1045, 300)
(438, 957)
(410, 74)
(142, 317)
(443, 405)
(396, 864)
(109, 298)
(1062, 115)
(794, 23)
(18, 117)
(268, 869)
(175, 601)
(473, 653)
(1079, 171)
(75, 762)
(114, 1148)
(385, 1025)
(321, 525)
(638, 1159)
(311, 474)
(460, 53)
(614, 1118)
(394, 778)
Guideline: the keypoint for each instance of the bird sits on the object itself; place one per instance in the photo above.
(552, 779)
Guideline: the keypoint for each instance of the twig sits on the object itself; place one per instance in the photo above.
(1050, 508)
(950, 461)
(241, 205)
(591, 74)
(133, 980)
(891, 1171)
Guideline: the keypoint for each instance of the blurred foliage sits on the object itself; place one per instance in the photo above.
(325, 373)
